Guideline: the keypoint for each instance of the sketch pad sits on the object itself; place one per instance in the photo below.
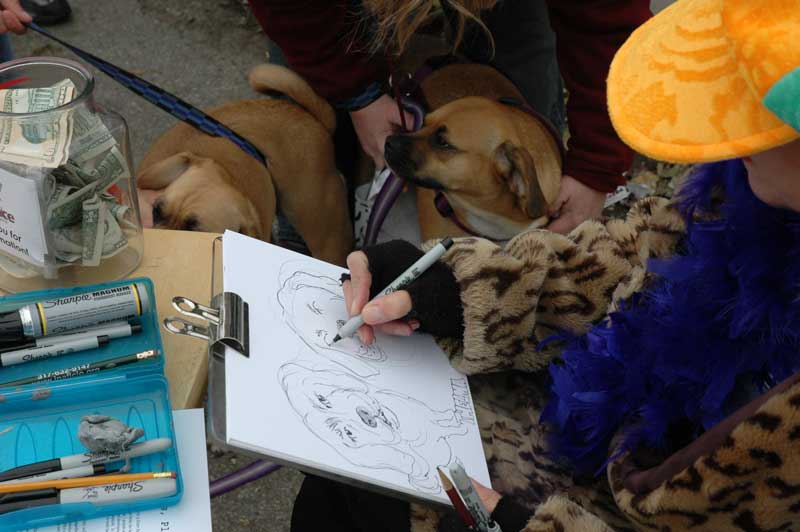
(384, 415)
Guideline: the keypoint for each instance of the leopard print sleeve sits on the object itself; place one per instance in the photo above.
(541, 283)
(559, 514)
(751, 481)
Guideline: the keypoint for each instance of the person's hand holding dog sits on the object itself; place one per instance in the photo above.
(575, 204)
(374, 123)
(13, 17)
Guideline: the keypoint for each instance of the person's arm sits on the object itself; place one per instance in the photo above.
(320, 39)
(492, 306)
(588, 35)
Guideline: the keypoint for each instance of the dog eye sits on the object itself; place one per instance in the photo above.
(439, 140)
(158, 213)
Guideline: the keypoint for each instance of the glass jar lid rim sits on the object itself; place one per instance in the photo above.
(57, 61)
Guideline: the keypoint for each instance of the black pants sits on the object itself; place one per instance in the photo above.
(324, 505)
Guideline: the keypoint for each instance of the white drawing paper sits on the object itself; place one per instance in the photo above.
(386, 414)
(192, 514)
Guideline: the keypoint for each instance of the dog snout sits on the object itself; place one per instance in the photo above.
(398, 154)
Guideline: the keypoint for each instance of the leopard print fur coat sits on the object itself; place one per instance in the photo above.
(516, 296)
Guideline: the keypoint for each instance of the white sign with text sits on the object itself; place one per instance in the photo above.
(21, 227)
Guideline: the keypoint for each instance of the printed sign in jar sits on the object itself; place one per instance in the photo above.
(21, 227)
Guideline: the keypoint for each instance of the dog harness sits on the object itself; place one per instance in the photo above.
(408, 95)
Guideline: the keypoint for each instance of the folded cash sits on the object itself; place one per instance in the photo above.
(84, 218)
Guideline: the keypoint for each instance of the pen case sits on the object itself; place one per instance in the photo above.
(40, 421)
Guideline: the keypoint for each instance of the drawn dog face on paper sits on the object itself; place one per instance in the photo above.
(313, 307)
(377, 429)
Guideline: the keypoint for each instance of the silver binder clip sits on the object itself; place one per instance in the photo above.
(227, 318)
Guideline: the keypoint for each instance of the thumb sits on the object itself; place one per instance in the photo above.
(396, 120)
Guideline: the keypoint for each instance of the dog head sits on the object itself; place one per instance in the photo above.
(196, 194)
(498, 166)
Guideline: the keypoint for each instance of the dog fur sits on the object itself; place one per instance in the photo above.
(206, 183)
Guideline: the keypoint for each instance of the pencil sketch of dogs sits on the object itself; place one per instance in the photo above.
(498, 166)
(203, 183)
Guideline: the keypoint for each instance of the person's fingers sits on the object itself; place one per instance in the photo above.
(361, 280)
(488, 496)
(347, 289)
(396, 328)
(12, 22)
(15, 7)
(366, 334)
(3, 28)
(563, 224)
(387, 308)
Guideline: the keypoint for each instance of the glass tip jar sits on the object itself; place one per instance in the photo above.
(68, 206)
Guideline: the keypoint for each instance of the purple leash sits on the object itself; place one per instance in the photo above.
(237, 479)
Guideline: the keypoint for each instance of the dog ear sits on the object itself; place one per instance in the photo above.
(163, 173)
(516, 167)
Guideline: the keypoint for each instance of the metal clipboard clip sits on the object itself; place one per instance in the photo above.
(227, 318)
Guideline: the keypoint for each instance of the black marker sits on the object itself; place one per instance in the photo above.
(78, 460)
(103, 495)
(77, 311)
(112, 330)
(12, 358)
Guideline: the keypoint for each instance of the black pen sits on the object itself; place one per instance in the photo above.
(112, 330)
(83, 369)
(78, 460)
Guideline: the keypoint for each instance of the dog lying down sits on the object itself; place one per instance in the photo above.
(197, 182)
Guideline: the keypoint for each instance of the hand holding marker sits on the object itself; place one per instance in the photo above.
(405, 278)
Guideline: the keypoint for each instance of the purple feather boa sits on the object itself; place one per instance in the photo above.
(720, 324)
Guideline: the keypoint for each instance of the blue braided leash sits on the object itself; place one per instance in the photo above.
(163, 99)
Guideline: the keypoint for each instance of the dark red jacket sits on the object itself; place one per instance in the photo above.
(317, 37)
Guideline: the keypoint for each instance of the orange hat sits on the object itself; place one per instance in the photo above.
(707, 80)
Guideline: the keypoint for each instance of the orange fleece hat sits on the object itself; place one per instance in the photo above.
(708, 80)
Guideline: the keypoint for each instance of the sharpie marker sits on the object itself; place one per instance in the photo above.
(114, 330)
(77, 311)
(106, 494)
(21, 356)
(75, 472)
(405, 278)
(79, 460)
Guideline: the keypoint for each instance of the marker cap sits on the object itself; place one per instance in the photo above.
(11, 330)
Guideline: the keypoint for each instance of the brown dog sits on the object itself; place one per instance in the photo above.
(498, 165)
(207, 183)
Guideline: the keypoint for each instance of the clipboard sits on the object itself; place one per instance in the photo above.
(224, 324)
